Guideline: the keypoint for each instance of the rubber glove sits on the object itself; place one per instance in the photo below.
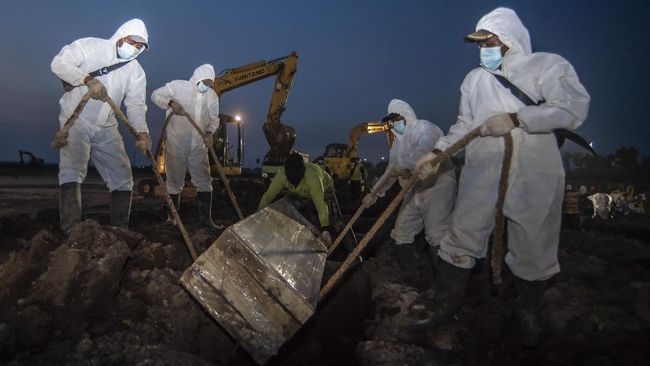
(423, 167)
(326, 238)
(207, 138)
(176, 107)
(398, 171)
(369, 199)
(143, 142)
(97, 89)
(499, 125)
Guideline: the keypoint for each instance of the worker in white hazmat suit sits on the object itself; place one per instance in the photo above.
(428, 205)
(533, 202)
(106, 68)
(185, 150)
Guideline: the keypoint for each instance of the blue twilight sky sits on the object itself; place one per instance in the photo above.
(355, 56)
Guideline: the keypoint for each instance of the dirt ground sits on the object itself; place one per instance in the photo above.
(108, 296)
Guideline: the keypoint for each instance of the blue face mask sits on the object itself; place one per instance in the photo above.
(399, 127)
(127, 51)
(202, 88)
(491, 57)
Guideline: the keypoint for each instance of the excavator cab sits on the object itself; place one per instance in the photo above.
(337, 160)
(221, 144)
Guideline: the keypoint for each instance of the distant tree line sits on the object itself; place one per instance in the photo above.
(625, 166)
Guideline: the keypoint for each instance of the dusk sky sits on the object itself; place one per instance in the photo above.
(354, 57)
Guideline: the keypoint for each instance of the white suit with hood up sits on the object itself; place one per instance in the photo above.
(94, 134)
(185, 150)
(534, 196)
(423, 207)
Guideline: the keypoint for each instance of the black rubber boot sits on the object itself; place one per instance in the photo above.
(204, 205)
(433, 256)
(176, 200)
(120, 208)
(69, 206)
(450, 289)
(527, 305)
(434, 259)
(408, 261)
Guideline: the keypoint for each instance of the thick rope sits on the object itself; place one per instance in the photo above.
(61, 137)
(338, 275)
(500, 219)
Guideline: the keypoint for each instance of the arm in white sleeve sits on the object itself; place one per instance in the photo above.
(385, 181)
(135, 99)
(162, 96)
(566, 101)
(426, 142)
(65, 65)
(213, 112)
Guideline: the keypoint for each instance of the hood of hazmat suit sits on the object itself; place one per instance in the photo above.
(134, 28)
(536, 180)
(205, 71)
(127, 84)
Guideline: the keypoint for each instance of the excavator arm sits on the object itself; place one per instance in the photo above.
(33, 160)
(279, 136)
(367, 128)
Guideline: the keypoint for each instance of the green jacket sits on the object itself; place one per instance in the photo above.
(313, 185)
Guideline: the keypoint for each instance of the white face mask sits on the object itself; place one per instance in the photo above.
(127, 51)
(491, 57)
(399, 127)
(202, 88)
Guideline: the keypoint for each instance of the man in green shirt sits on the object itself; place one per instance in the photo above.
(306, 181)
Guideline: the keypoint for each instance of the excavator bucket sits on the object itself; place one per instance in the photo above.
(260, 279)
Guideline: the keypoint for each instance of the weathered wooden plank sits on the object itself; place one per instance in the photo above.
(260, 279)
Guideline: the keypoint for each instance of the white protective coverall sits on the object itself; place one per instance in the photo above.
(185, 150)
(423, 207)
(94, 134)
(533, 202)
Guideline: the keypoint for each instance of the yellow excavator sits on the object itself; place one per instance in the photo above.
(279, 136)
(338, 157)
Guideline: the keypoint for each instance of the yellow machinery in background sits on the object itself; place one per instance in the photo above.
(279, 136)
(338, 157)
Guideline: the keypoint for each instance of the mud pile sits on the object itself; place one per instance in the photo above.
(103, 295)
